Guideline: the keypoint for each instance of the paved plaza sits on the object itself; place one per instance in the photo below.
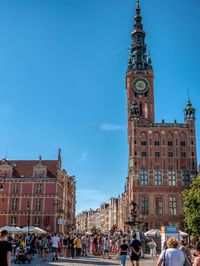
(81, 261)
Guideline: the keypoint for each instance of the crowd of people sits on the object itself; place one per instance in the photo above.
(69, 245)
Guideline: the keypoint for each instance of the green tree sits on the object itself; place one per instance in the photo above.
(191, 208)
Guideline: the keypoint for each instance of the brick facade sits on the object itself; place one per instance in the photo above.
(42, 185)
(162, 156)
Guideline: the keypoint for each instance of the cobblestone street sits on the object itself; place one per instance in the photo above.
(89, 260)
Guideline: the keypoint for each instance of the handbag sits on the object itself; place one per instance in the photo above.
(164, 263)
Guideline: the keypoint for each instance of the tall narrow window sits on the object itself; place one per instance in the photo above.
(158, 177)
(144, 178)
(39, 173)
(182, 143)
(38, 188)
(37, 204)
(170, 143)
(14, 204)
(173, 205)
(37, 221)
(146, 110)
(145, 205)
(186, 178)
(171, 178)
(15, 188)
(140, 109)
(13, 221)
(159, 206)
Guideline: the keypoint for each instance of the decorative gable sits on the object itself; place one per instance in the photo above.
(6, 170)
(40, 170)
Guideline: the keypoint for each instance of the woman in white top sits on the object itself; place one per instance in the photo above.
(172, 256)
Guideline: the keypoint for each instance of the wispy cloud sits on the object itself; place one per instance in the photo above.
(90, 198)
(83, 157)
(5, 109)
(110, 127)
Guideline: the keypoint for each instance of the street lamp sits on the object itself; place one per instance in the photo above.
(28, 208)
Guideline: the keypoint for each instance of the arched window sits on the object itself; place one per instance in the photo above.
(140, 109)
(146, 110)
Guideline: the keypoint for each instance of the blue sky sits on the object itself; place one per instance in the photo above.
(62, 81)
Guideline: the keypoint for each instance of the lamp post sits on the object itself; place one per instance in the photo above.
(28, 208)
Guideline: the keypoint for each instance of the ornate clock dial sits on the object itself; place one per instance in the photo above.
(140, 85)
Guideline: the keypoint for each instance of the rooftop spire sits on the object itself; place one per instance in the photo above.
(138, 58)
(138, 8)
(189, 111)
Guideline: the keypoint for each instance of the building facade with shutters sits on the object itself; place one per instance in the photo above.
(37, 193)
(162, 156)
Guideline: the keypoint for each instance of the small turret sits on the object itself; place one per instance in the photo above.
(189, 111)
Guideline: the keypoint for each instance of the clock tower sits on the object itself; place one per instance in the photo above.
(139, 76)
(162, 156)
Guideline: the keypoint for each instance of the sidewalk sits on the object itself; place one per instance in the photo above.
(81, 261)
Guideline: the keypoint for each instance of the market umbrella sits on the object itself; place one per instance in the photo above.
(152, 232)
(183, 234)
(32, 229)
(10, 229)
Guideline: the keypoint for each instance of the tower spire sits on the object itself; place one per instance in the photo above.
(138, 56)
(138, 8)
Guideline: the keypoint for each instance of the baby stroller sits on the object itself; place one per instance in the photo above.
(23, 257)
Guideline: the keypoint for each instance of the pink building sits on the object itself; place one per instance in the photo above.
(37, 193)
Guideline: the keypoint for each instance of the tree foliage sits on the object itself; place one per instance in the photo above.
(191, 208)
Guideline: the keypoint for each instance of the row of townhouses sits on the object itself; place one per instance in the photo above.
(108, 216)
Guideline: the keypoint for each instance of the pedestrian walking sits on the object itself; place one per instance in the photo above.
(84, 245)
(172, 256)
(5, 250)
(187, 252)
(55, 240)
(197, 253)
(44, 247)
(152, 245)
(71, 241)
(136, 248)
(106, 248)
(78, 245)
(123, 251)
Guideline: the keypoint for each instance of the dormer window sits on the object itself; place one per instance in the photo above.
(5, 174)
(39, 173)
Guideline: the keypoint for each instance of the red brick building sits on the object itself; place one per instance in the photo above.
(162, 156)
(37, 192)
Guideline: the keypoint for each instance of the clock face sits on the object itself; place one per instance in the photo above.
(140, 85)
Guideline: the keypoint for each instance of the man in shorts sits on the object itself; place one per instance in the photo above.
(136, 248)
(54, 242)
